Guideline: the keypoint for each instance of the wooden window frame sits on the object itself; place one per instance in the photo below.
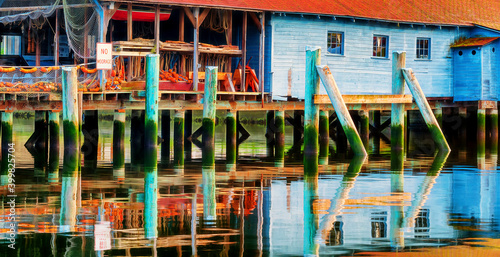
(380, 51)
(329, 42)
(421, 49)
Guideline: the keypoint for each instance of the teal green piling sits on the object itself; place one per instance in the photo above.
(231, 139)
(311, 217)
(341, 110)
(165, 135)
(311, 110)
(150, 201)
(151, 112)
(179, 138)
(209, 200)
(279, 136)
(438, 113)
(493, 130)
(7, 144)
(481, 132)
(324, 137)
(425, 109)
(119, 145)
(209, 107)
(54, 147)
(397, 110)
(71, 126)
(270, 133)
(364, 127)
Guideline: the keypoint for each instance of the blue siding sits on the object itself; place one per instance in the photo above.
(357, 72)
(268, 54)
(480, 32)
(467, 74)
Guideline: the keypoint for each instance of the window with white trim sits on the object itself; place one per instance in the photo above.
(424, 48)
(335, 42)
(380, 46)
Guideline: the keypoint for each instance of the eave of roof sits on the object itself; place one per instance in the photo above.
(478, 41)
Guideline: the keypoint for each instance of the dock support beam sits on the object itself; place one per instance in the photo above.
(270, 133)
(397, 112)
(137, 137)
(279, 135)
(119, 145)
(492, 116)
(324, 137)
(342, 112)
(426, 111)
(71, 126)
(438, 113)
(481, 132)
(151, 117)
(165, 135)
(364, 127)
(209, 102)
(231, 139)
(179, 138)
(188, 132)
(311, 110)
(54, 147)
(90, 129)
(7, 141)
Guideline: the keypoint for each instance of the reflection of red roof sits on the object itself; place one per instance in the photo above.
(449, 12)
(478, 41)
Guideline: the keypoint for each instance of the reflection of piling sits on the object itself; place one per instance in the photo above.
(231, 139)
(396, 232)
(209, 200)
(311, 110)
(279, 135)
(377, 132)
(481, 132)
(179, 138)
(119, 145)
(165, 135)
(137, 137)
(311, 217)
(324, 137)
(209, 101)
(54, 147)
(151, 115)
(397, 110)
(270, 133)
(364, 127)
(7, 140)
(150, 201)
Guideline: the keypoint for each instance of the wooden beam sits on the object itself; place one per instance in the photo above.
(366, 99)
(190, 15)
(157, 29)
(244, 50)
(261, 53)
(202, 17)
(256, 21)
(196, 51)
(129, 38)
(56, 41)
(182, 61)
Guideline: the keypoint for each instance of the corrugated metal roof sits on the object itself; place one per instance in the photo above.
(440, 12)
(477, 41)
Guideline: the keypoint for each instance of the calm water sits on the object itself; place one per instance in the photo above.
(437, 206)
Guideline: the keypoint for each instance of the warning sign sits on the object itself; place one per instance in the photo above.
(104, 59)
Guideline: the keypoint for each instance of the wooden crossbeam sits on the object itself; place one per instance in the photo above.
(367, 99)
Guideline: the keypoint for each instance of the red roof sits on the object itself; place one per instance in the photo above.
(478, 41)
(439, 12)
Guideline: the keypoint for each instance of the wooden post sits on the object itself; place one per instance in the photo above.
(137, 122)
(209, 197)
(341, 110)
(157, 29)
(38, 50)
(119, 145)
(324, 137)
(270, 133)
(54, 147)
(165, 135)
(481, 132)
(397, 112)
(438, 113)
(209, 107)
(196, 51)
(70, 101)
(261, 53)
(179, 138)
(425, 109)
(492, 116)
(244, 28)
(129, 38)
(90, 129)
(364, 128)
(279, 135)
(311, 110)
(188, 130)
(229, 37)
(231, 138)
(7, 143)
(151, 117)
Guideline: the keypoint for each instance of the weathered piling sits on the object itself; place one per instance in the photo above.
(425, 109)
(188, 130)
(119, 145)
(71, 126)
(397, 110)
(324, 137)
(481, 132)
(376, 134)
(341, 110)
(231, 138)
(209, 199)
(492, 116)
(311, 217)
(8, 145)
(151, 116)
(54, 147)
(279, 135)
(270, 133)
(438, 113)
(364, 127)
(137, 122)
(179, 138)
(311, 110)
(209, 107)
(90, 130)
(165, 135)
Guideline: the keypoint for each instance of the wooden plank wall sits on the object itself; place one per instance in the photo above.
(467, 75)
(356, 72)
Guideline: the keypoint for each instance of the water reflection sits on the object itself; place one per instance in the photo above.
(311, 246)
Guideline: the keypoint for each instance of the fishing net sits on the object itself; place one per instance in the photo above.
(15, 10)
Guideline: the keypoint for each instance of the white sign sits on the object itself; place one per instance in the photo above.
(104, 60)
(102, 236)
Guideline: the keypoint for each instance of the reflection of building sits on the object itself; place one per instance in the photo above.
(379, 224)
(336, 236)
(422, 224)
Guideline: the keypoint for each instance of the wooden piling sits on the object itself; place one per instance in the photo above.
(71, 126)
(311, 110)
(438, 113)
(279, 135)
(492, 116)
(41, 128)
(364, 127)
(7, 143)
(90, 129)
(137, 121)
(231, 138)
(119, 145)
(165, 135)
(425, 109)
(297, 132)
(209, 104)
(151, 116)
(376, 134)
(324, 137)
(270, 133)
(188, 131)
(397, 110)
(209, 197)
(341, 110)
(54, 147)
(179, 138)
(481, 132)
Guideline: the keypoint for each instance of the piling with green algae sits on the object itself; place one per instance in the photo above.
(438, 113)
(151, 108)
(7, 143)
(165, 135)
(481, 132)
(54, 147)
(311, 110)
(324, 136)
(492, 117)
(208, 123)
(119, 145)
(179, 138)
(364, 127)
(231, 138)
(397, 109)
(209, 197)
(279, 138)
